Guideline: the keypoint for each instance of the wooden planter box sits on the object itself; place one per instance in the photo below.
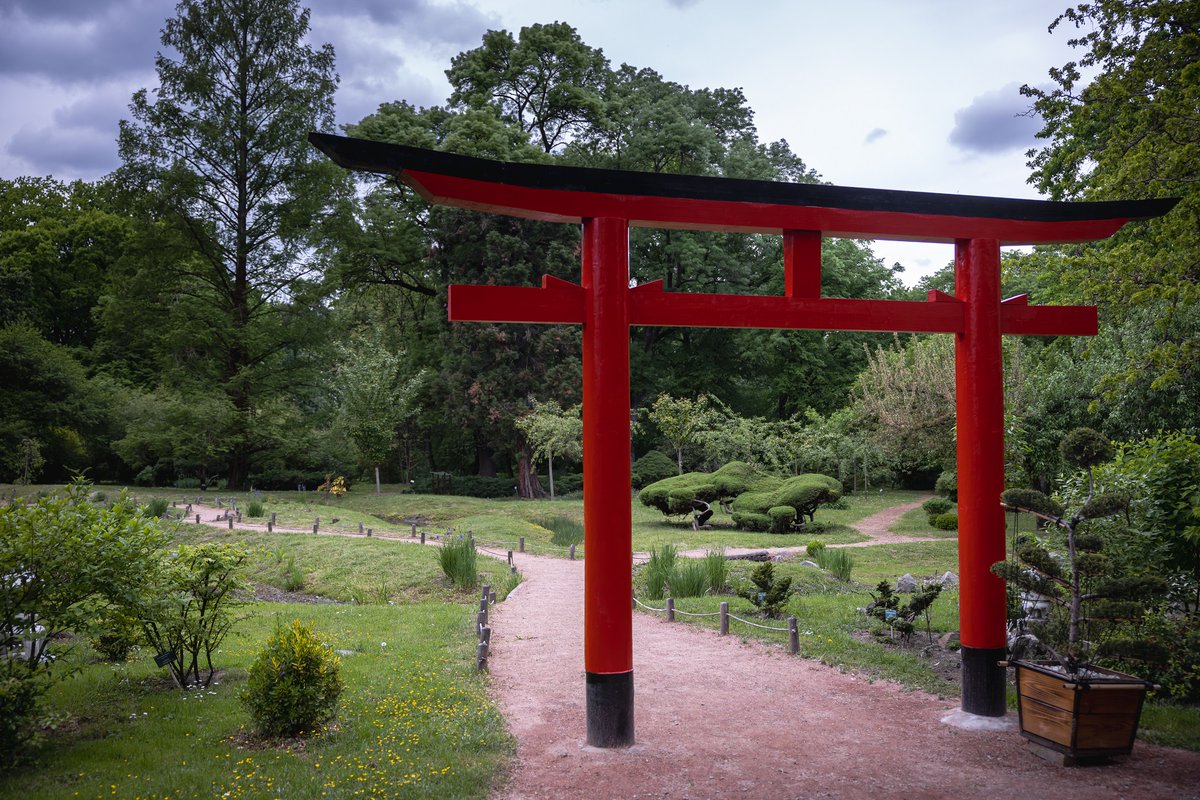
(1081, 719)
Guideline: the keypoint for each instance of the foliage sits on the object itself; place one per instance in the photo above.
(768, 593)
(19, 706)
(658, 570)
(457, 557)
(65, 563)
(651, 468)
(294, 684)
(947, 485)
(802, 493)
(1086, 587)
(550, 429)
(680, 494)
(935, 506)
(688, 578)
(156, 507)
(900, 617)
(191, 607)
(945, 522)
(473, 486)
(837, 561)
(115, 636)
(255, 509)
(334, 487)
(680, 420)
(813, 549)
(716, 570)
(221, 146)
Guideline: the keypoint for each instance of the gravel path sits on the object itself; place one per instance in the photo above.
(720, 717)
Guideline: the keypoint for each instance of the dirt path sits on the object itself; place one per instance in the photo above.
(718, 717)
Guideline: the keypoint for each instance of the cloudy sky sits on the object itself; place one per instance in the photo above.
(919, 95)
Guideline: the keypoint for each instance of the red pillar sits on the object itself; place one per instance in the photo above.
(608, 567)
(979, 388)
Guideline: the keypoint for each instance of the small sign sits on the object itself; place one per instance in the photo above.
(163, 659)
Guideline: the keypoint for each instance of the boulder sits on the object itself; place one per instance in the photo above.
(906, 583)
(948, 579)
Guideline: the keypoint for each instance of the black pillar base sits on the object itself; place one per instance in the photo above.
(983, 681)
(610, 709)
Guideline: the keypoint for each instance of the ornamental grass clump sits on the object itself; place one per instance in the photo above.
(689, 578)
(294, 684)
(716, 570)
(838, 562)
(457, 558)
(1092, 599)
(658, 570)
(566, 531)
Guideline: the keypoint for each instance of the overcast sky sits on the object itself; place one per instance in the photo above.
(919, 95)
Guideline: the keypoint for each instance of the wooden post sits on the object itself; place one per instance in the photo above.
(422, 537)
(481, 619)
(414, 531)
(521, 544)
(481, 657)
(724, 619)
(514, 569)
(510, 558)
(486, 589)
(270, 527)
(485, 635)
(492, 598)
(793, 636)
(316, 524)
(572, 553)
(230, 519)
(368, 533)
(670, 609)
(360, 527)
(272, 517)
(197, 519)
(239, 517)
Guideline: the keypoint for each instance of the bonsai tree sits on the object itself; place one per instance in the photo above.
(1089, 597)
(769, 594)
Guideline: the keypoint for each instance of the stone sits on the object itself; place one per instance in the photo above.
(810, 564)
(948, 579)
(906, 583)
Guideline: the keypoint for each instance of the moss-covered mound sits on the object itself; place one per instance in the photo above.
(679, 494)
(766, 507)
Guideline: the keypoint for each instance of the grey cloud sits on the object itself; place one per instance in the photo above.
(457, 23)
(69, 151)
(97, 41)
(994, 123)
(875, 135)
(60, 9)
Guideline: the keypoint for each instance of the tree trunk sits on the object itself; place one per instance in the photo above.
(679, 458)
(550, 467)
(528, 485)
(377, 492)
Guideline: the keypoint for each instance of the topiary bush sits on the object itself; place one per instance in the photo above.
(947, 484)
(651, 468)
(945, 522)
(750, 521)
(782, 518)
(767, 594)
(678, 494)
(802, 493)
(294, 683)
(935, 506)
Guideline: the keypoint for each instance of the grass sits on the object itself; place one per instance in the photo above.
(414, 720)
(458, 561)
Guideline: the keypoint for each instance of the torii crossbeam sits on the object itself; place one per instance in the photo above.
(608, 202)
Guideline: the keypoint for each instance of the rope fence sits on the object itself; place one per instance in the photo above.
(792, 629)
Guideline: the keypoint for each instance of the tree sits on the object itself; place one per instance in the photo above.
(681, 421)
(550, 429)
(1131, 132)
(222, 146)
(376, 397)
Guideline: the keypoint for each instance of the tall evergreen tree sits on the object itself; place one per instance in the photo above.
(222, 144)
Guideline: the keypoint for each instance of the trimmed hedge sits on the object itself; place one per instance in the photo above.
(802, 493)
(673, 496)
(652, 467)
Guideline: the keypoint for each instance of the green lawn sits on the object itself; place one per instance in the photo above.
(414, 719)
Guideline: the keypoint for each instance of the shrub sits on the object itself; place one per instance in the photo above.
(782, 518)
(255, 509)
(293, 576)
(675, 495)
(841, 504)
(813, 549)
(935, 506)
(658, 570)
(651, 468)
(566, 531)
(717, 570)
(156, 507)
(145, 477)
(294, 683)
(19, 701)
(749, 521)
(768, 594)
(947, 484)
(689, 578)
(946, 522)
(473, 486)
(803, 493)
(565, 484)
(190, 611)
(115, 636)
(187, 483)
(457, 558)
(838, 562)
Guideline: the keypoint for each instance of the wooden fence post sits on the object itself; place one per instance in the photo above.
(230, 519)
(197, 519)
(368, 533)
(272, 517)
(414, 531)
(670, 609)
(270, 527)
(572, 553)
(793, 636)
(481, 619)
(492, 598)
(316, 524)
(486, 590)
(481, 657)
(724, 619)
(521, 544)
(360, 527)
(510, 558)
(422, 537)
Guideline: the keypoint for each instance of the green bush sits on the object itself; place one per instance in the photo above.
(946, 522)
(566, 531)
(838, 562)
(565, 484)
(782, 518)
(19, 704)
(145, 477)
(935, 506)
(658, 570)
(672, 496)
(689, 578)
(813, 549)
(947, 485)
(841, 504)
(767, 594)
(293, 576)
(457, 558)
(473, 486)
(187, 483)
(717, 570)
(256, 509)
(156, 507)
(749, 521)
(803, 493)
(115, 636)
(651, 468)
(293, 684)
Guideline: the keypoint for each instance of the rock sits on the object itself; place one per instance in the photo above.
(948, 579)
(810, 564)
(946, 639)
(756, 555)
(906, 583)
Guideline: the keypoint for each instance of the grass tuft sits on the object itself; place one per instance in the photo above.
(457, 558)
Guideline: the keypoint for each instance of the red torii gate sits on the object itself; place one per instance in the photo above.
(608, 202)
